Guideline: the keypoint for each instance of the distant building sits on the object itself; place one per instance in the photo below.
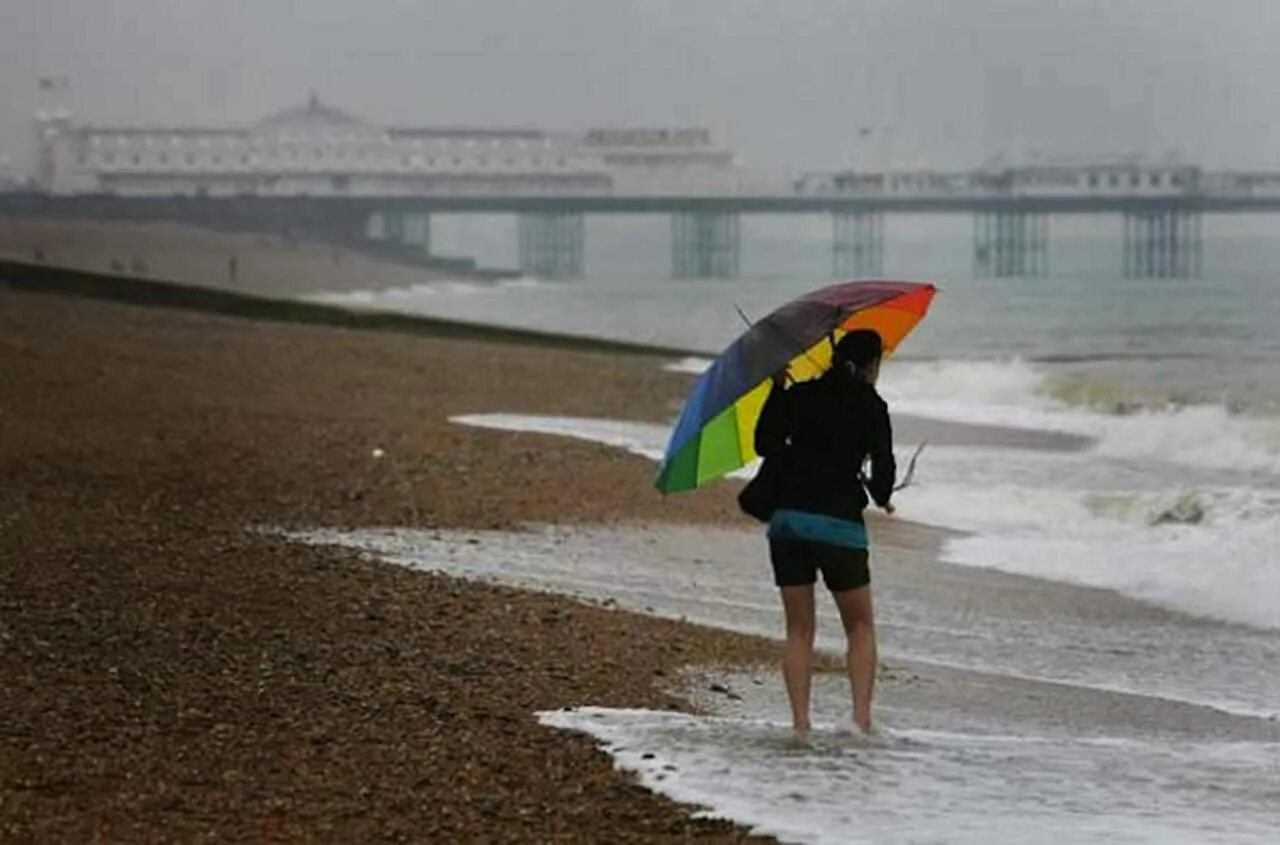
(1248, 183)
(891, 183)
(1127, 176)
(9, 180)
(660, 158)
(318, 150)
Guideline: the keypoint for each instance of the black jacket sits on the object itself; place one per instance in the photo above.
(822, 431)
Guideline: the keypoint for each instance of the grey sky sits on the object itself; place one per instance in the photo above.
(787, 82)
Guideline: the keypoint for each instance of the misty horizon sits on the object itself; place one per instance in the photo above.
(811, 85)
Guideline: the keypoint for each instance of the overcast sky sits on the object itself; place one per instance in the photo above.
(786, 82)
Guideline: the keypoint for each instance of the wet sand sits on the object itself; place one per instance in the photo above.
(719, 576)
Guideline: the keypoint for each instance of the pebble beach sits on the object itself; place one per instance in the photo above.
(166, 673)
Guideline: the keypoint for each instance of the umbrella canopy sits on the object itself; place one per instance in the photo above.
(716, 430)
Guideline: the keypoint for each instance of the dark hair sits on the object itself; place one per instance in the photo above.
(860, 348)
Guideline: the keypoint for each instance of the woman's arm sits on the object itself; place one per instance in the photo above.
(884, 468)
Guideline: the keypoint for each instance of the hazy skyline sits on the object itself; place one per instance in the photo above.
(786, 84)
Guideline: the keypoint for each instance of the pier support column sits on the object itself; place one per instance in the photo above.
(551, 245)
(408, 228)
(1163, 243)
(383, 226)
(857, 244)
(704, 244)
(415, 230)
(1011, 244)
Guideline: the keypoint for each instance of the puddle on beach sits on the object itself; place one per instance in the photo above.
(962, 757)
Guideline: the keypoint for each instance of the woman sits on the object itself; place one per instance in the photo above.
(822, 431)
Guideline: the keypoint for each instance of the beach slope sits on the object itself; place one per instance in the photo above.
(167, 674)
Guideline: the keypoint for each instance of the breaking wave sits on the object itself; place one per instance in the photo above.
(1125, 423)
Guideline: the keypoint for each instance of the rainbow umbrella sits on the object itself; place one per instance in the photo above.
(716, 430)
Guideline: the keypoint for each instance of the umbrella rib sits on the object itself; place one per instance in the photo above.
(785, 335)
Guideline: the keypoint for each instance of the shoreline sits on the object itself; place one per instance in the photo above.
(737, 713)
(53, 280)
(727, 588)
(167, 672)
(278, 261)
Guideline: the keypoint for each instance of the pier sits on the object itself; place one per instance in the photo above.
(551, 244)
(857, 244)
(1011, 243)
(317, 171)
(1156, 236)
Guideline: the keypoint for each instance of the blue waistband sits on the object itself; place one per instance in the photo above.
(818, 528)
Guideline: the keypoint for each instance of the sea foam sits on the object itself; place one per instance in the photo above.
(1012, 393)
(1097, 517)
(936, 786)
(397, 298)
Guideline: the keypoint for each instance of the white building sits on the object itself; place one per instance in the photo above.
(1128, 176)
(646, 160)
(1257, 183)
(9, 180)
(1089, 177)
(317, 150)
(922, 182)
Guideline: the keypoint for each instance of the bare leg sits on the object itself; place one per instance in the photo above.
(858, 616)
(797, 659)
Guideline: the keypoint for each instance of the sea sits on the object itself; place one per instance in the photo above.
(1172, 503)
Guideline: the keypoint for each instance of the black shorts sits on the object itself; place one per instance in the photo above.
(796, 563)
